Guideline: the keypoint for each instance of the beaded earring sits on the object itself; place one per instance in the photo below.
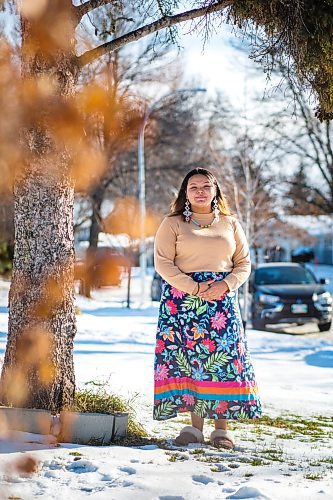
(187, 212)
(216, 210)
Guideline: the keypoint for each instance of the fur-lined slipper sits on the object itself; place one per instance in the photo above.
(188, 435)
(222, 439)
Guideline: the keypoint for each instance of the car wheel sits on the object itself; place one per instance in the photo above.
(324, 327)
(258, 323)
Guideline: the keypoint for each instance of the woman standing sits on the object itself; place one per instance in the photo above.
(202, 364)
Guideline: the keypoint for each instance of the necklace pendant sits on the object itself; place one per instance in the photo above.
(202, 226)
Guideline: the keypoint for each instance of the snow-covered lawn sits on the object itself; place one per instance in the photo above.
(289, 455)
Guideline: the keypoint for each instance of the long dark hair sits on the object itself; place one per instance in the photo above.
(177, 207)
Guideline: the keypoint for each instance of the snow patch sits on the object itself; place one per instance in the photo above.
(248, 492)
(202, 479)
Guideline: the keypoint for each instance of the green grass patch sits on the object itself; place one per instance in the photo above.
(197, 451)
(285, 436)
(175, 456)
(313, 476)
(314, 427)
(209, 459)
(256, 462)
(273, 454)
(329, 420)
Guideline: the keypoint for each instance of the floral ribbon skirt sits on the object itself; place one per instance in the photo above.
(202, 363)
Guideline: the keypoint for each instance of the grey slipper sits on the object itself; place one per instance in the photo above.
(189, 434)
(222, 439)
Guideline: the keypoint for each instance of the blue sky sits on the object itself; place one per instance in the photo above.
(220, 66)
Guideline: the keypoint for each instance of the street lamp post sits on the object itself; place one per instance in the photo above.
(142, 182)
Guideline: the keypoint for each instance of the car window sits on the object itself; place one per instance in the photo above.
(283, 276)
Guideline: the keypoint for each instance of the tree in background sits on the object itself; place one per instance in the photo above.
(38, 367)
(243, 164)
(243, 160)
(246, 159)
(124, 74)
(6, 234)
(173, 145)
(306, 145)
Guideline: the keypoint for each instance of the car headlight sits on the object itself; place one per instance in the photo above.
(268, 299)
(325, 298)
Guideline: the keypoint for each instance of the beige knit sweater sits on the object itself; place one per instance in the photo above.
(182, 247)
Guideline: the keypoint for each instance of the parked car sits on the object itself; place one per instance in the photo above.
(287, 292)
(156, 287)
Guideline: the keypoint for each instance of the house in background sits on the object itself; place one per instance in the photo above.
(321, 228)
(314, 232)
(277, 239)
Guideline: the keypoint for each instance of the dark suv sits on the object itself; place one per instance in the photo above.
(286, 292)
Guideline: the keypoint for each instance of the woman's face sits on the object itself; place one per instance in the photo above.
(200, 193)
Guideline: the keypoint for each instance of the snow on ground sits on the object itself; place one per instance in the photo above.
(115, 345)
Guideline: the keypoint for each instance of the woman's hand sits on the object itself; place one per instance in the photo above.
(212, 290)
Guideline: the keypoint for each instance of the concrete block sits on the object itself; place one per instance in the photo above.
(91, 428)
(121, 424)
(25, 420)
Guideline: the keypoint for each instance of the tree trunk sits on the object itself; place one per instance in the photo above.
(95, 226)
(38, 369)
(87, 282)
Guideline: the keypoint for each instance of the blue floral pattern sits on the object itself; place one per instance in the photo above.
(202, 363)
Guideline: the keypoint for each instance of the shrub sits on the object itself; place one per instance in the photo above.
(98, 400)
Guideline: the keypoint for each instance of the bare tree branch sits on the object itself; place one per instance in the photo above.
(163, 22)
(328, 142)
(86, 7)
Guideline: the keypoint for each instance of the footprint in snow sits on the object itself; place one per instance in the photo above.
(170, 497)
(129, 470)
(81, 466)
(247, 492)
(223, 468)
(126, 484)
(52, 464)
(202, 479)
